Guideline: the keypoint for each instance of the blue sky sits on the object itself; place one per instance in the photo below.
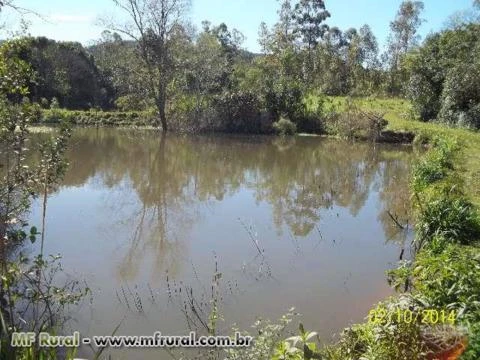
(75, 20)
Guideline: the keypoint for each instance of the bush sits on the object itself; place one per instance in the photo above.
(435, 165)
(450, 279)
(285, 127)
(473, 350)
(268, 336)
(355, 123)
(315, 113)
(422, 138)
(99, 118)
(54, 104)
(445, 77)
(452, 219)
(285, 98)
(44, 103)
(445, 214)
(131, 103)
(237, 112)
(461, 97)
(424, 95)
(382, 337)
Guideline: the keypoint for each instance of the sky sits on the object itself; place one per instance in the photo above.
(78, 20)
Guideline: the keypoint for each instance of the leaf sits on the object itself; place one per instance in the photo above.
(311, 335)
(295, 339)
(302, 329)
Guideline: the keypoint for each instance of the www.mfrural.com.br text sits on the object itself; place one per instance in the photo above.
(157, 340)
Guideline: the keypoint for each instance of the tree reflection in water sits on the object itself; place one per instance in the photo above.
(176, 175)
(292, 221)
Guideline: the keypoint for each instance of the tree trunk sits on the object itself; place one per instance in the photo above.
(163, 118)
(161, 102)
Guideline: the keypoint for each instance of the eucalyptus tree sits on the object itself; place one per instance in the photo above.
(363, 60)
(462, 18)
(309, 17)
(264, 38)
(403, 37)
(369, 47)
(284, 29)
(153, 24)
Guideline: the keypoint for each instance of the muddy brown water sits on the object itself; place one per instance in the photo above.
(148, 222)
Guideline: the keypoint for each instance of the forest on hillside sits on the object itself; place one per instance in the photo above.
(204, 79)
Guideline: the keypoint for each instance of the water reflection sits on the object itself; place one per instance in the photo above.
(298, 177)
(292, 222)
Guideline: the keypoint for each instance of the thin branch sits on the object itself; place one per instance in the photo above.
(395, 220)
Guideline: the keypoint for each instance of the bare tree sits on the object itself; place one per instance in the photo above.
(10, 4)
(152, 24)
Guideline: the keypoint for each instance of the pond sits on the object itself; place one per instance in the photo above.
(149, 221)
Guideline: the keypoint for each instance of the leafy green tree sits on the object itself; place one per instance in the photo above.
(460, 99)
(444, 76)
(371, 79)
(65, 71)
(205, 71)
(118, 62)
(330, 57)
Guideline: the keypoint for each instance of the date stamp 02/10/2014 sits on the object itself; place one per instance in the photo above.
(382, 316)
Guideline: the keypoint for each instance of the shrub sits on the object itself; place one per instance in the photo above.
(382, 337)
(44, 103)
(473, 350)
(450, 279)
(422, 138)
(450, 218)
(237, 112)
(54, 104)
(423, 92)
(314, 113)
(284, 98)
(445, 215)
(461, 96)
(435, 165)
(356, 123)
(285, 127)
(99, 118)
(131, 102)
(444, 77)
(268, 337)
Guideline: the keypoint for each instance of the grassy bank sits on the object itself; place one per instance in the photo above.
(98, 117)
(443, 277)
(400, 118)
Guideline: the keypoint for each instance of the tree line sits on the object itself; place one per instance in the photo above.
(204, 79)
